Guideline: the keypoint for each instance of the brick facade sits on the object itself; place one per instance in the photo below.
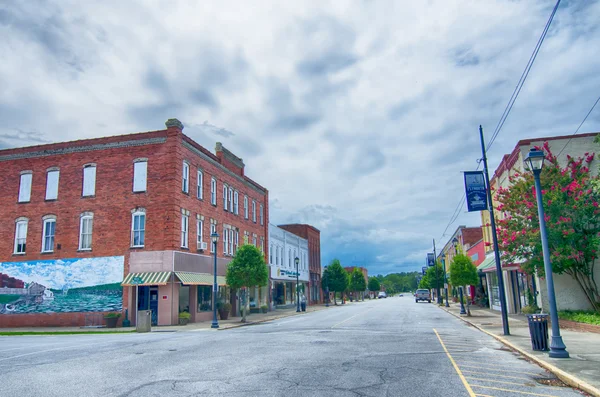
(313, 235)
(114, 200)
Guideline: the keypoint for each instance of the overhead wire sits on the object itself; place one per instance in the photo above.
(577, 130)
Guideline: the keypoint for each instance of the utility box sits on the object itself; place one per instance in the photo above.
(144, 321)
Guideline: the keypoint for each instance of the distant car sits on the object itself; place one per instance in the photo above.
(401, 295)
(422, 295)
(381, 295)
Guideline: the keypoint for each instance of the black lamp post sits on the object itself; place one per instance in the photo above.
(326, 288)
(460, 288)
(445, 279)
(535, 162)
(215, 239)
(297, 261)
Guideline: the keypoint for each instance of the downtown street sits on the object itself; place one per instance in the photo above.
(386, 347)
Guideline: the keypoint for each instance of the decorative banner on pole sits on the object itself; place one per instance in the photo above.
(475, 191)
(424, 269)
(430, 259)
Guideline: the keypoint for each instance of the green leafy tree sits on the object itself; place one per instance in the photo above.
(571, 203)
(424, 283)
(462, 273)
(357, 281)
(374, 284)
(337, 278)
(247, 269)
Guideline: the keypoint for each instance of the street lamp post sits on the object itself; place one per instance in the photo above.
(215, 239)
(460, 288)
(535, 162)
(297, 261)
(326, 288)
(445, 279)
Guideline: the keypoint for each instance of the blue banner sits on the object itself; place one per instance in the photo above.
(430, 259)
(424, 269)
(475, 191)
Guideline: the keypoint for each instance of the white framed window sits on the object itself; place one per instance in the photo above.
(85, 231)
(253, 211)
(271, 254)
(199, 229)
(185, 223)
(246, 207)
(213, 191)
(225, 241)
(231, 241)
(185, 178)
(254, 241)
(48, 233)
(199, 181)
(213, 229)
(262, 244)
(140, 175)
(225, 191)
(25, 187)
(89, 180)
(21, 235)
(52, 177)
(277, 255)
(237, 238)
(235, 203)
(138, 228)
(231, 199)
(261, 215)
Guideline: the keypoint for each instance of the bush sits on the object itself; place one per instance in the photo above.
(530, 309)
(224, 306)
(580, 316)
(112, 315)
(185, 315)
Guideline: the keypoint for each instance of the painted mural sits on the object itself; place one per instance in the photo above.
(62, 285)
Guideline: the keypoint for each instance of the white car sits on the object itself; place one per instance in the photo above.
(382, 294)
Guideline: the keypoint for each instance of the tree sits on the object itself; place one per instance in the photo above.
(435, 276)
(462, 273)
(357, 281)
(424, 283)
(374, 284)
(571, 196)
(337, 278)
(247, 269)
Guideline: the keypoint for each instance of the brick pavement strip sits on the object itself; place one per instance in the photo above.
(565, 376)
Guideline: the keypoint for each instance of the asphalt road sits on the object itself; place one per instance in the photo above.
(387, 347)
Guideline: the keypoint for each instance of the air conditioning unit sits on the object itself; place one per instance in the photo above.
(203, 245)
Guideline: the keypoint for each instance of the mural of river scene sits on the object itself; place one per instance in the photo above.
(62, 285)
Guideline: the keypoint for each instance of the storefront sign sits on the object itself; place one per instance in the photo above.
(287, 274)
(475, 191)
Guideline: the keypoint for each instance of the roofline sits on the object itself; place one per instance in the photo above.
(300, 224)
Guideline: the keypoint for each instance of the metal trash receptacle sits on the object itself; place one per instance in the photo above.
(144, 321)
(538, 330)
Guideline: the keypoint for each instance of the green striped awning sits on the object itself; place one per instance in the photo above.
(188, 278)
(148, 278)
(488, 264)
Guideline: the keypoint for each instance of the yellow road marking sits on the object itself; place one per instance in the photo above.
(460, 375)
(497, 376)
(483, 395)
(497, 381)
(348, 319)
(498, 369)
(515, 391)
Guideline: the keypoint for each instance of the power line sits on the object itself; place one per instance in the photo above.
(521, 81)
(577, 130)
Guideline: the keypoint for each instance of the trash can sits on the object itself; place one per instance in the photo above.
(144, 321)
(538, 330)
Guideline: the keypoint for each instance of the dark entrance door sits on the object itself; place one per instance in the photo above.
(154, 304)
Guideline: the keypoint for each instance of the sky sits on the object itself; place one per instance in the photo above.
(358, 116)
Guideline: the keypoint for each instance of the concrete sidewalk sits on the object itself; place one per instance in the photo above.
(231, 322)
(581, 370)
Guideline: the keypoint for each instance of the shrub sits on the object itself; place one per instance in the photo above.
(185, 315)
(580, 316)
(530, 309)
(112, 315)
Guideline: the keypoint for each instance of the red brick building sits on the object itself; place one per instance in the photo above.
(313, 235)
(143, 205)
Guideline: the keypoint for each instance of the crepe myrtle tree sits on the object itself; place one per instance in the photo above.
(247, 269)
(572, 214)
(337, 278)
(462, 273)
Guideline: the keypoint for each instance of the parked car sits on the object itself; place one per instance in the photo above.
(381, 295)
(422, 295)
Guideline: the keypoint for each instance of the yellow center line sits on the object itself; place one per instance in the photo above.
(460, 375)
(348, 319)
(498, 376)
(515, 391)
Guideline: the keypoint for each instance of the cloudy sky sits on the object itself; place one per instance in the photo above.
(358, 116)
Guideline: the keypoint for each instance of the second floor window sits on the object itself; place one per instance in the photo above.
(199, 185)
(52, 185)
(21, 236)
(184, 230)
(213, 191)
(225, 191)
(138, 229)
(25, 187)
(85, 231)
(235, 203)
(89, 181)
(225, 241)
(199, 225)
(261, 215)
(49, 230)
(231, 241)
(230, 199)
(140, 176)
(213, 229)
(254, 211)
(185, 179)
(246, 207)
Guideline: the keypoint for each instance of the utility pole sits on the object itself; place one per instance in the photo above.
(437, 278)
(495, 238)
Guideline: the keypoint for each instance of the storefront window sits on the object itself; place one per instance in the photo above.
(204, 298)
(495, 290)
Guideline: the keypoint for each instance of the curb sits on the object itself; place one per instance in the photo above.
(567, 378)
(238, 325)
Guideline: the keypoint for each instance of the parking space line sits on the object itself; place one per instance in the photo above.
(515, 391)
(460, 375)
(483, 395)
(498, 376)
(498, 369)
(497, 381)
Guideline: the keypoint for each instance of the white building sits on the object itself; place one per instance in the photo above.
(284, 247)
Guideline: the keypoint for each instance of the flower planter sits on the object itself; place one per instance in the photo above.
(184, 321)
(223, 314)
(111, 322)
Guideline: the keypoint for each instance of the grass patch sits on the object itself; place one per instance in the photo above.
(25, 333)
(580, 316)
